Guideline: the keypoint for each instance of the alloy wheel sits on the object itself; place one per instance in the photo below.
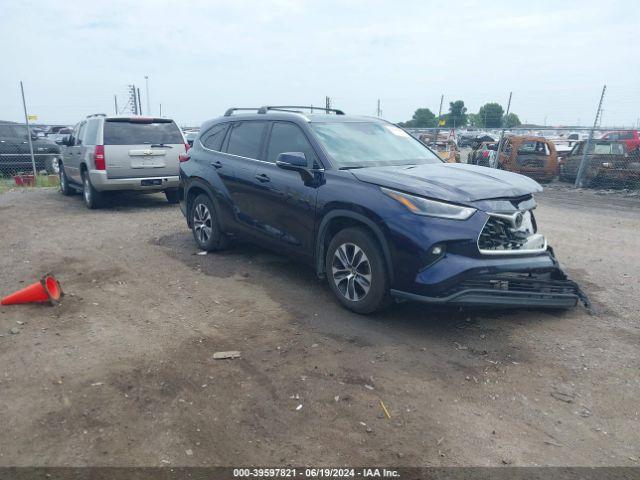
(351, 272)
(202, 223)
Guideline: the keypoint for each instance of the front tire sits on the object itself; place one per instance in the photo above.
(205, 226)
(357, 272)
(65, 188)
(92, 197)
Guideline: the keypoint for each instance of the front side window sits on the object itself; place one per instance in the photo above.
(577, 150)
(245, 139)
(368, 144)
(287, 137)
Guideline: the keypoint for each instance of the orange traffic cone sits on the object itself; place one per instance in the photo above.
(46, 290)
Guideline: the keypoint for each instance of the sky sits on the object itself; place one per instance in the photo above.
(202, 57)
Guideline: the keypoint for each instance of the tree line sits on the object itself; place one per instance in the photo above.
(490, 115)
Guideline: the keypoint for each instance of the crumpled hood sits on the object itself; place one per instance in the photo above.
(453, 182)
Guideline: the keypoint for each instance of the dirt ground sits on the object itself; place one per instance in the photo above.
(121, 373)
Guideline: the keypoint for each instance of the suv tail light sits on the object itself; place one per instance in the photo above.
(185, 157)
(99, 159)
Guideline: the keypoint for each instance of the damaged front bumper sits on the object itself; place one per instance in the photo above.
(534, 286)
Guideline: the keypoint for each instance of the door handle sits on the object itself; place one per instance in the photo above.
(217, 164)
(262, 177)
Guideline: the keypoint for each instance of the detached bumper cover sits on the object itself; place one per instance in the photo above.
(534, 288)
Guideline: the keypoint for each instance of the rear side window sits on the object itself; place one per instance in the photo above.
(91, 133)
(80, 136)
(212, 138)
(134, 133)
(287, 137)
(245, 139)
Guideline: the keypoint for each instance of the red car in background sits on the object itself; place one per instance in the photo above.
(630, 137)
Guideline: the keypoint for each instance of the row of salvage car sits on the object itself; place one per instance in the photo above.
(610, 161)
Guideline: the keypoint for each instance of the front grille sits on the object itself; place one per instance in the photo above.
(500, 234)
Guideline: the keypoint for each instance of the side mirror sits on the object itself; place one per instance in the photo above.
(295, 161)
(292, 160)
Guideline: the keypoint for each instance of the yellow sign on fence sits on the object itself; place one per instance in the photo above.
(441, 123)
(32, 118)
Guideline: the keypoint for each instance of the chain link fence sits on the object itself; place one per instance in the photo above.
(602, 158)
(27, 157)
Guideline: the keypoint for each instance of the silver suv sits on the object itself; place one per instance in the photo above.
(121, 153)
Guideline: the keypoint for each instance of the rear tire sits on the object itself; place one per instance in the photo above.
(356, 271)
(65, 188)
(172, 195)
(92, 197)
(205, 226)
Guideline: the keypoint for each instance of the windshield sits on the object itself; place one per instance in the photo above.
(370, 144)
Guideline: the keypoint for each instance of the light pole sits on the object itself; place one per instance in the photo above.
(146, 82)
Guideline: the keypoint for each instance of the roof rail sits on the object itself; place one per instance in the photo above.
(97, 115)
(288, 108)
(235, 109)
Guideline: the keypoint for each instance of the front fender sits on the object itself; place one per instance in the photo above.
(320, 252)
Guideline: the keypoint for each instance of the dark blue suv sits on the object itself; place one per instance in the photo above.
(370, 208)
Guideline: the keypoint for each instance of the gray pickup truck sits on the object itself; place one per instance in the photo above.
(121, 153)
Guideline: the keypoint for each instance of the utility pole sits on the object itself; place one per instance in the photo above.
(146, 81)
(583, 162)
(502, 133)
(160, 110)
(139, 102)
(327, 101)
(132, 103)
(115, 103)
(378, 111)
(435, 137)
(26, 121)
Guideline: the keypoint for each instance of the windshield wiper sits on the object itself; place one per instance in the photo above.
(352, 167)
(164, 145)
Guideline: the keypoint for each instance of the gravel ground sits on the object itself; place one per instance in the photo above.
(121, 373)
